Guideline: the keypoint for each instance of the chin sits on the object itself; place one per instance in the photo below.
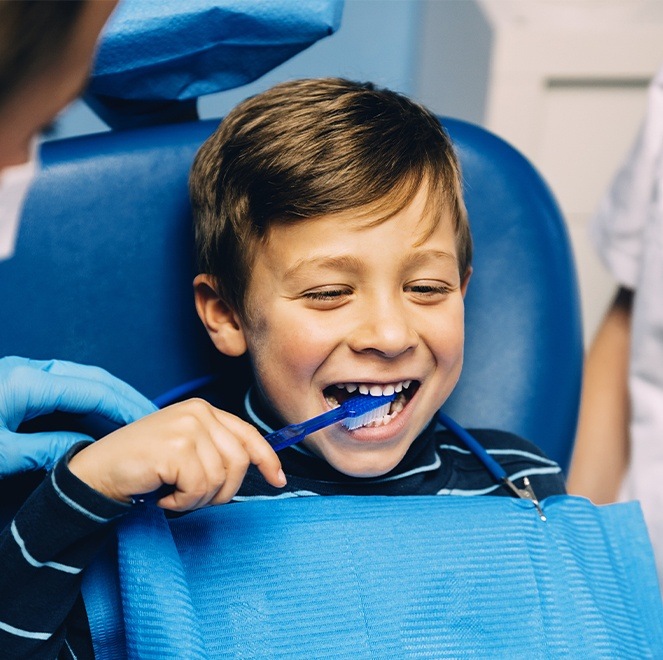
(364, 466)
(367, 474)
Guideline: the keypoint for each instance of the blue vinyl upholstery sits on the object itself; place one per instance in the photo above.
(104, 265)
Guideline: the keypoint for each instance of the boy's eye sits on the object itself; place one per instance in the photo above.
(328, 295)
(428, 290)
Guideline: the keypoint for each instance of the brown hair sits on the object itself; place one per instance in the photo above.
(32, 33)
(314, 147)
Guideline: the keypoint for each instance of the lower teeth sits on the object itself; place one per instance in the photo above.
(396, 408)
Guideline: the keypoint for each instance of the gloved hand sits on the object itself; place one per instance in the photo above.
(30, 388)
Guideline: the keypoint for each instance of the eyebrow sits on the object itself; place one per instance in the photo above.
(342, 262)
(353, 264)
(421, 258)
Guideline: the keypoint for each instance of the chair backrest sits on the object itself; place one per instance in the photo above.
(104, 266)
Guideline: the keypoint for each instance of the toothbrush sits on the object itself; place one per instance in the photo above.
(358, 411)
(355, 412)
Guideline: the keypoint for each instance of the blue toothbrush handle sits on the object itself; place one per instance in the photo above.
(290, 435)
(355, 407)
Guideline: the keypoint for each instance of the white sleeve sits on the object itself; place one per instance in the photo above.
(618, 228)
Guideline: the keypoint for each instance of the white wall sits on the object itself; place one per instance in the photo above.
(563, 81)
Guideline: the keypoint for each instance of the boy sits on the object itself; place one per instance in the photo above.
(335, 251)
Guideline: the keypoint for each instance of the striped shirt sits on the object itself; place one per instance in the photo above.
(64, 523)
(437, 463)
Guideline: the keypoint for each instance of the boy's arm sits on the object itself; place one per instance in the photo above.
(601, 451)
(43, 551)
(202, 452)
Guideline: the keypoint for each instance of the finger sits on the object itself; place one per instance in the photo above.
(25, 452)
(97, 374)
(214, 473)
(236, 462)
(220, 451)
(80, 372)
(135, 405)
(191, 486)
(217, 443)
(259, 450)
(45, 392)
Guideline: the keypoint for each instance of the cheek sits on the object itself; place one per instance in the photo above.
(287, 350)
(448, 338)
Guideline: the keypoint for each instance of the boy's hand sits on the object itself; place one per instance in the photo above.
(200, 450)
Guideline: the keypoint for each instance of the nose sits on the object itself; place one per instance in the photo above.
(383, 327)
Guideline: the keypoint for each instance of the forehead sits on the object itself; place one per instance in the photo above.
(342, 240)
(417, 212)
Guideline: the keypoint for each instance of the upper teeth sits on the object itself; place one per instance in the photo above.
(376, 390)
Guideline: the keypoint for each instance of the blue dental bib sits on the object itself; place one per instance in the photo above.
(379, 577)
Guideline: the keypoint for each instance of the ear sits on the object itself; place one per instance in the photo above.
(466, 281)
(221, 321)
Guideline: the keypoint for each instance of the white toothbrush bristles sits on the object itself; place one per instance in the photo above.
(368, 417)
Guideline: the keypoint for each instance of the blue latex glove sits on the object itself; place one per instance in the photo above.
(30, 388)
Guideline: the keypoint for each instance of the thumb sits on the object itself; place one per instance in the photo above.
(25, 452)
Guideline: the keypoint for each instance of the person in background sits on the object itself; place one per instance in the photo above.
(619, 446)
(46, 52)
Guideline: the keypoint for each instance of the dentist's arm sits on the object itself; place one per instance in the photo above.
(601, 451)
(31, 388)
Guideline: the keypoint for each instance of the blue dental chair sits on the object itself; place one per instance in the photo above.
(102, 275)
(104, 265)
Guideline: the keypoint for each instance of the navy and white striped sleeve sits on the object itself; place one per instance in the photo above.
(43, 552)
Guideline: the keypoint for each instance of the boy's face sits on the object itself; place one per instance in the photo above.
(334, 302)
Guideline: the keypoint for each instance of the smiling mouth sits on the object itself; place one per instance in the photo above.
(335, 395)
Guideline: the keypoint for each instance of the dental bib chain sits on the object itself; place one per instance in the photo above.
(495, 469)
